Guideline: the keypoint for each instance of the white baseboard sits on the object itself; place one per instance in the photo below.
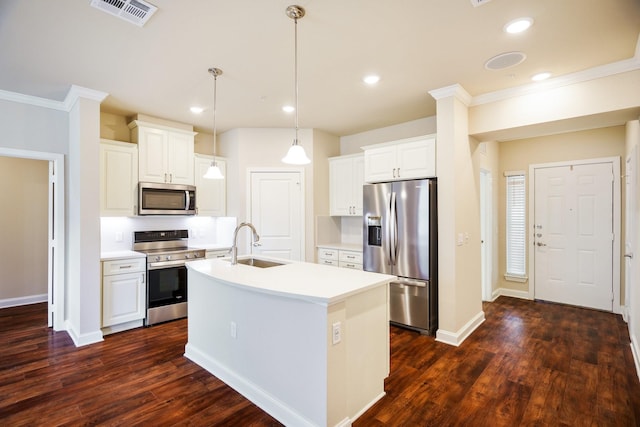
(30, 299)
(83, 339)
(635, 350)
(512, 293)
(456, 338)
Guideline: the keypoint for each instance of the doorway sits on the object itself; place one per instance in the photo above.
(575, 213)
(631, 234)
(55, 231)
(276, 209)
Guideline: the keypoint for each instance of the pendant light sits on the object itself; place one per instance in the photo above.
(296, 154)
(213, 172)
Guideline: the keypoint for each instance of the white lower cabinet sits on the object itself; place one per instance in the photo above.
(123, 294)
(340, 258)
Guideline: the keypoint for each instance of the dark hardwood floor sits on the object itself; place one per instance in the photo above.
(530, 363)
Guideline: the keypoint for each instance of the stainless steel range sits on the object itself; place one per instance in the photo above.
(167, 252)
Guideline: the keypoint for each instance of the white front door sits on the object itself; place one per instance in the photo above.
(277, 213)
(573, 235)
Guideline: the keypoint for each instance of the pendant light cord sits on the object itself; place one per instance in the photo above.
(295, 72)
(215, 86)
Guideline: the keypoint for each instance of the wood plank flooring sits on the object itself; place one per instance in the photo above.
(530, 363)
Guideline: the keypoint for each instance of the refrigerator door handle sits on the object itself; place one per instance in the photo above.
(393, 229)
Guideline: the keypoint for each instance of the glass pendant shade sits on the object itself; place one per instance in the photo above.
(213, 172)
(296, 156)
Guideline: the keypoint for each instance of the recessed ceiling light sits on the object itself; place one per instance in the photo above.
(288, 109)
(518, 25)
(196, 110)
(371, 79)
(541, 76)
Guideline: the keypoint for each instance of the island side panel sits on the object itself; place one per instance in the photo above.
(368, 348)
(278, 358)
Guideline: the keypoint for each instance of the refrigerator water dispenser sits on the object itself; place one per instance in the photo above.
(374, 231)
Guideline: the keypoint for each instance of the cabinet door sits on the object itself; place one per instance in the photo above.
(380, 164)
(416, 159)
(180, 158)
(340, 183)
(123, 298)
(118, 178)
(152, 155)
(356, 186)
(211, 194)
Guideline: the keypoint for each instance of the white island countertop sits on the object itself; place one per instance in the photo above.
(307, 281)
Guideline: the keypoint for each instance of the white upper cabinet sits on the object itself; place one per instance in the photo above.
(404, 159)
(118, 178)
(211, 194)
(346, 176)
(165, 154)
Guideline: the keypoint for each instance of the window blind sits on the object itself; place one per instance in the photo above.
(516, 223)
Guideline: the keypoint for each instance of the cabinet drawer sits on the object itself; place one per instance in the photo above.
(217, 254)
(330, 254)
(121, 266)
(352, 265)
(333, 262)
(351, 257)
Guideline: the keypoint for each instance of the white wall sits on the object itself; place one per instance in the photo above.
(24, 218)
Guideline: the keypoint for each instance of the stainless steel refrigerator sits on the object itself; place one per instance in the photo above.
(400, 237)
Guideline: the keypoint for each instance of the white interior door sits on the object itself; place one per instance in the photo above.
(277, 213)
(631, 233)
(573, 235)
(486, 221)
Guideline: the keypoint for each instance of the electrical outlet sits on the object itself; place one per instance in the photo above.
(233, 330)
(336, 335)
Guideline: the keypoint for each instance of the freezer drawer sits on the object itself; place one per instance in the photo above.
(410, 305)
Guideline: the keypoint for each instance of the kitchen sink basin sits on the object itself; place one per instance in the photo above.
(256, 262)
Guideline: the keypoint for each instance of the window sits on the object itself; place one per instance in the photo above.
(516, 226)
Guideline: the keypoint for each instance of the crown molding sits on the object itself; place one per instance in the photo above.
(75, 93)
(448, 91)
(594, 73)
(31, 100)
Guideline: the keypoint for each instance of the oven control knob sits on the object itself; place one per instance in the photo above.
(187, 256)
(168, 257)
(157, 258)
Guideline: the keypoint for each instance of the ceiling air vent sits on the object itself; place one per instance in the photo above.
(135, 11)
(477, 3)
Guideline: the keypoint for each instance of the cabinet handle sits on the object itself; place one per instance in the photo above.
(165, 177)
(398, 172)
(125, 266)
(351, 257)
(142, 278)
(394, 172)
(170, 177)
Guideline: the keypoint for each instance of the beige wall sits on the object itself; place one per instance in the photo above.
(24, 219)
(518, 155)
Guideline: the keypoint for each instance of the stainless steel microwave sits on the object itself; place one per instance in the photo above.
(166, 199)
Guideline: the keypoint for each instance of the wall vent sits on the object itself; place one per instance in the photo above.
(135, 11)
(477, 3)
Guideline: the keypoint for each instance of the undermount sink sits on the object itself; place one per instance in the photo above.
(256, 262)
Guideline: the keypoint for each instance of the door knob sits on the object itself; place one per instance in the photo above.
(629, 255)
(541, 244)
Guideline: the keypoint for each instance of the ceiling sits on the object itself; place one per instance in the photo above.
(416, 46)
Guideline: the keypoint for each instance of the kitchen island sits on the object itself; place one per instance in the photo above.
(307, 343)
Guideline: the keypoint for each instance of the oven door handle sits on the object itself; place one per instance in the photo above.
(165, 264)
